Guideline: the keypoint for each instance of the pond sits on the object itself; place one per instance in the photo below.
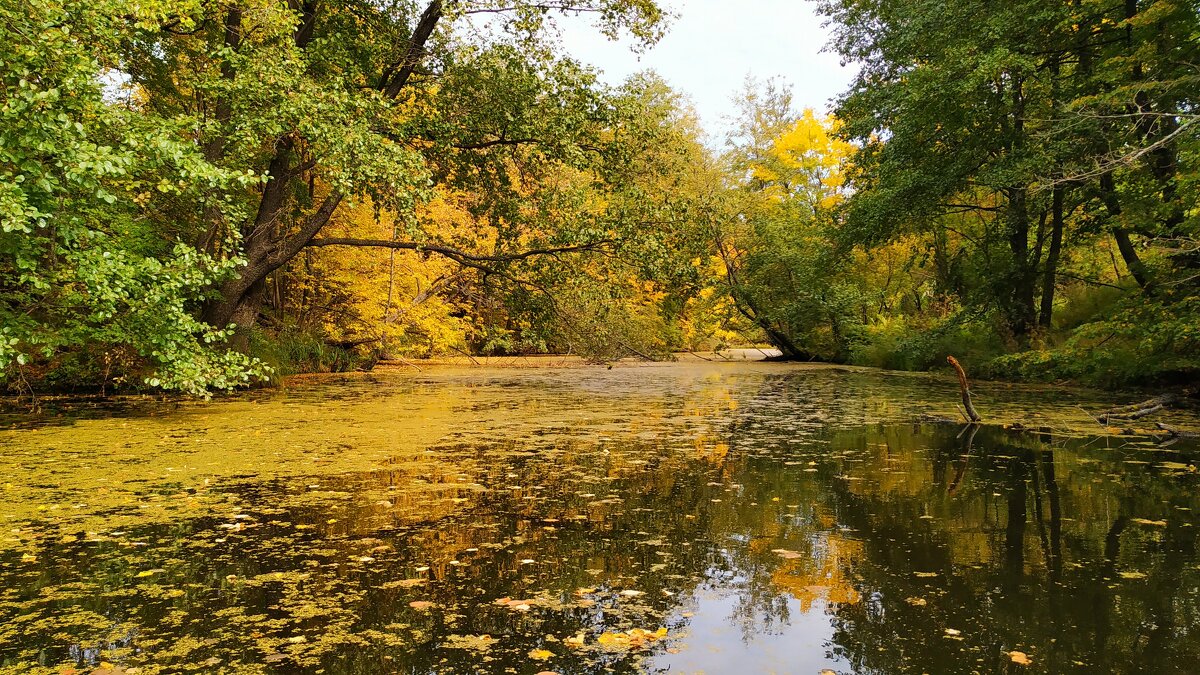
(687, 517)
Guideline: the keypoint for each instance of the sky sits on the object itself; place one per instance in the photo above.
(712, 45)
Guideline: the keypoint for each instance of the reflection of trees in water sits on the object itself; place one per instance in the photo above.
(1028, 537)
(1048, 578)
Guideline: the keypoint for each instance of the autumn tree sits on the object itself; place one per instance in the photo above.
(1023, 140)
(163, 160)
(776, 241)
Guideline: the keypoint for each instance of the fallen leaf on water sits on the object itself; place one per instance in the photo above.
(480, 643)
(420, 604)
(786, 554)
(631, 593)
(636, 637)
(403, 583)
(574, 641)
(1020, 658)
(540, 654)
(1133, 575)
(519, 605)
(1155, 523)
(916, 602)
(953, 631)
(926, 575)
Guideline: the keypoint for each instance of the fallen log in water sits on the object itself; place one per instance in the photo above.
(1137, 410)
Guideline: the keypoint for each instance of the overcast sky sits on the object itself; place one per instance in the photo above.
(713, 44)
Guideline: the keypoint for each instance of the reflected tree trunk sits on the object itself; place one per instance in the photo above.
(1014, 530)
(1051, 479)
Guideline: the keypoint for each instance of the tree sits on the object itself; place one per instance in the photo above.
(1053, 129)
(81, 264)
(162, 160)
(333, 102)
(776, 242)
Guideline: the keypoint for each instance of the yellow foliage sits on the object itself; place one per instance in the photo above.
(807, 161)
(635, 638)
(823, 575)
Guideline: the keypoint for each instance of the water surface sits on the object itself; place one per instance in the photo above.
(659, 518)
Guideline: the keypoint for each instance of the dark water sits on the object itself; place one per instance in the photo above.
(680, 519)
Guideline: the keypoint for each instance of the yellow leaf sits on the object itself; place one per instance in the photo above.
(574, 641)
(1020, 658)
(540, 654)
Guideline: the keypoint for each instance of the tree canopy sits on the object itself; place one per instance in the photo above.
(199, 195)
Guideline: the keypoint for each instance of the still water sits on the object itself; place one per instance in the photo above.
(692, 517)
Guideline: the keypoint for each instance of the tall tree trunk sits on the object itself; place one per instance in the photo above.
(1050, 280)
(1021, 308)
(1108, 194)
(1021, 312)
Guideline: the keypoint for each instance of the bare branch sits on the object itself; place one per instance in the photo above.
(1107, 164)
(462, 257)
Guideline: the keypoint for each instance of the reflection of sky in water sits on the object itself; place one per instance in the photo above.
(718, 643)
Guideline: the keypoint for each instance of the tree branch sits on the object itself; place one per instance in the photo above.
(462, 257)
(416, 50)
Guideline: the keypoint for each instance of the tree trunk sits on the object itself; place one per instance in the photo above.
(1052, 256)
(1021, 300)
(1108, 194)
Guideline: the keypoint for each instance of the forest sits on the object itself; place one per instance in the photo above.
(200, 195)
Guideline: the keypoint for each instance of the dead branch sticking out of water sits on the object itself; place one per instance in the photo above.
(968, 410)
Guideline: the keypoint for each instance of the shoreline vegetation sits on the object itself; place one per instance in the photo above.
(199, 198)
(1110, 413)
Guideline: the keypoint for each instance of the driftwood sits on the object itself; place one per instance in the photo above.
(1177, 433)
(968, 410)
(1137, 410)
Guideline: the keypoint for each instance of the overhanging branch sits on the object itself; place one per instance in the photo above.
(462, 257)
